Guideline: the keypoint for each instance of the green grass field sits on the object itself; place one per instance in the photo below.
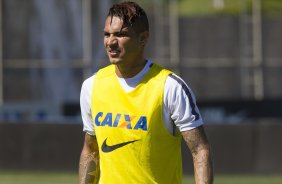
(231, 7)
(37, 177)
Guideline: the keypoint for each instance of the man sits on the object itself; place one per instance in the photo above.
(135, 113)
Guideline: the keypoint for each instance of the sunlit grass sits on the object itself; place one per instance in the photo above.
(36, 177)
(59, 177)
(241, 179)
(230, 7)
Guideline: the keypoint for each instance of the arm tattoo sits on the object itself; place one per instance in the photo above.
(198, 144)
(89, 169)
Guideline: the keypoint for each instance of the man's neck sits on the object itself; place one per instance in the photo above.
(130, 71)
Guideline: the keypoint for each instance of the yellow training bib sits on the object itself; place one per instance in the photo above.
(134, 145)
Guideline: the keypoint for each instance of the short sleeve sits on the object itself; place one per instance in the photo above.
(180, 104)
(85, 105)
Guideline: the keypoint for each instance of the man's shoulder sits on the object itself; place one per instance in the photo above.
(174, 81)
(87, 83)
(158, 69)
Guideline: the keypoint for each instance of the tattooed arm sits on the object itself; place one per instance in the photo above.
(89, 169)
(198, 144)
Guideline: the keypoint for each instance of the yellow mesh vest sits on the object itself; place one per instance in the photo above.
(134, 145)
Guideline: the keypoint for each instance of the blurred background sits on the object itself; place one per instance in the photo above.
(228, 51)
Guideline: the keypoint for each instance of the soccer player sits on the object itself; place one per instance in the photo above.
(135, 113)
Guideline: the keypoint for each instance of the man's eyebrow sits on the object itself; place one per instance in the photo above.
(106, 33)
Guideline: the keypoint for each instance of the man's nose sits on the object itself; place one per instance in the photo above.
(112, 40)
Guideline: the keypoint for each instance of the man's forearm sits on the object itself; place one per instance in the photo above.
(203, 167)
(89, 170)
(198, 144)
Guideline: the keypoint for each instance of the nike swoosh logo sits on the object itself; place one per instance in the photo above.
(107, 148)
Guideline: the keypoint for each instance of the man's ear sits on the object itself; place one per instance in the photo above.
(143, 38)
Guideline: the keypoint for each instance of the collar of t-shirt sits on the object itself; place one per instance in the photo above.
(128, 84)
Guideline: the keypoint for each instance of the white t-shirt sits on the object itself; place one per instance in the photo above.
(179, 108)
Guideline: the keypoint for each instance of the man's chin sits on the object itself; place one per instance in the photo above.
(114, 61)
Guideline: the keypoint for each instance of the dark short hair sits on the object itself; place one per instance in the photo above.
(131, 14)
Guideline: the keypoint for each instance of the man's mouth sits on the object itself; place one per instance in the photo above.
(113, 53)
